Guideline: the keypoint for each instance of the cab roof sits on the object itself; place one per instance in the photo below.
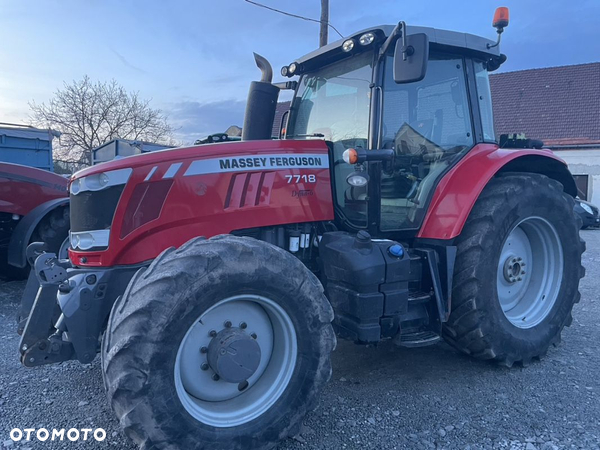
(442, 38)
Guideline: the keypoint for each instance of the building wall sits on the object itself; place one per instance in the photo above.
(585, 162)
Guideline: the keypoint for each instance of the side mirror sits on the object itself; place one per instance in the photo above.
(410, 58)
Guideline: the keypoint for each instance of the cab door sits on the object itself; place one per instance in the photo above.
(429, 125)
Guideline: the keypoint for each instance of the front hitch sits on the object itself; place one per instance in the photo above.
(41, 340)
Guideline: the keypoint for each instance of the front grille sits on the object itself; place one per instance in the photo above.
(94, 210)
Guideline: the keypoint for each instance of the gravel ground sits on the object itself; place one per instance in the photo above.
(381, 397)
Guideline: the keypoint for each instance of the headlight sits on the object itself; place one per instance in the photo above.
(586, 208)
(292, 68)
(75, 186)
(284, 71)
(99, 181)
(74, 240)
(86, 241)
(96, 182)
(366, 39)
(348, 45)
(357, 179)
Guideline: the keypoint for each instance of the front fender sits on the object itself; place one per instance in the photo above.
(460, 188)
(24, 230)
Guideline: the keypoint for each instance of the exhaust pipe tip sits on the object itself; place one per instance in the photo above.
(265, 68)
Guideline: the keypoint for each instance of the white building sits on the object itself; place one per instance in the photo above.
(560, 106)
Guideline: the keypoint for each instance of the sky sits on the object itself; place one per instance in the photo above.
(193, 59)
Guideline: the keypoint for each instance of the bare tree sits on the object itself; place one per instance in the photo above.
(90, 114)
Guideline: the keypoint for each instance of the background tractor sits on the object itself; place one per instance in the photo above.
(34, 206)
(217, 277)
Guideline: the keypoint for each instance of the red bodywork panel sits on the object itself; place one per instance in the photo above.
(22, 188)
(205, 197)
(458, 190)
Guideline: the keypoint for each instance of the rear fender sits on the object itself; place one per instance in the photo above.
(24, 230)
(459, 189)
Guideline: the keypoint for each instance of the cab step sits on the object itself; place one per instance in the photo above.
(417, 339)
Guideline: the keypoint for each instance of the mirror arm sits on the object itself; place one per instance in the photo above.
(391, 38)
(287, 85)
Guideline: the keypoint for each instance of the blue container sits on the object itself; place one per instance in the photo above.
(27, 146)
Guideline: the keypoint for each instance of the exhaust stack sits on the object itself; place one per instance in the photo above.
(261, 104)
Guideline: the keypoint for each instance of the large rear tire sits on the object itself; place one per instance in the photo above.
(517, 270)
(53, 231)
(246, 301)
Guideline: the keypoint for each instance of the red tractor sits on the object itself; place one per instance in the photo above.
(217, 277)
(34, 206)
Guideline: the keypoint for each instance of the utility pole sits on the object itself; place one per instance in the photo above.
(324, 23)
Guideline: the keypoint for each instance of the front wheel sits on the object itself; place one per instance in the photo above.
(517, 270)
(223, 343)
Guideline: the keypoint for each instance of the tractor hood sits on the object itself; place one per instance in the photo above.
(127, 211)
(184, 156)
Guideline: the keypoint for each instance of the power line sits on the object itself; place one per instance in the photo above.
(292, 15)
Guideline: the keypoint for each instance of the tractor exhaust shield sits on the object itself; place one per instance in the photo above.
(261, 104)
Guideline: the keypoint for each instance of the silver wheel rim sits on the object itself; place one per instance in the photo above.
(223, 404)
(530, 272)
(63, 251)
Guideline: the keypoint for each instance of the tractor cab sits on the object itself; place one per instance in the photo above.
(413, 100)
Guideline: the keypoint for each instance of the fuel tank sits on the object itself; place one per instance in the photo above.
(127, 211)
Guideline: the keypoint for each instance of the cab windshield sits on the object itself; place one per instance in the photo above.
(333, 103)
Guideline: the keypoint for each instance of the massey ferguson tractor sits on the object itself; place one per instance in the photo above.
(34, 206)
(213, 280)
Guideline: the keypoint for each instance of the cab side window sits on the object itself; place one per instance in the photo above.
(484, 97)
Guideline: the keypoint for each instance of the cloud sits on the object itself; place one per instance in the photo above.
(194, 120)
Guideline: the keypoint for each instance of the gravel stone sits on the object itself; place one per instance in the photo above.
(387, 398)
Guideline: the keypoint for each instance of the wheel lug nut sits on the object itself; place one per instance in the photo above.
(215, 377)
(203, 350)
(519, 259)
(523, 264)
(204, 366)
(522, 272)
(519, 279)
(253, 335)
(243, 325)
(212, 333)
(227, 324)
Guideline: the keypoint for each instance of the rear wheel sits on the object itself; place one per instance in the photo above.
(223, 343)
(53, 231)
(517, 270)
